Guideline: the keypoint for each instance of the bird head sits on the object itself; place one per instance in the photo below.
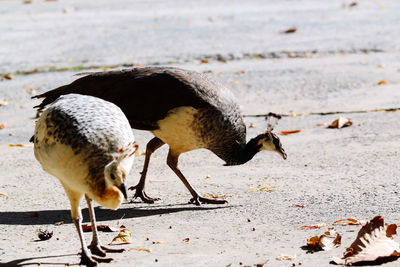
(271, 142)
(115, 175)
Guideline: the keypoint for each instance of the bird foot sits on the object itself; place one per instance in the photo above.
(92, 261)
(197, 200)
(142, 195)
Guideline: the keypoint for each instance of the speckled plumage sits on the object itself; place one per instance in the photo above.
(185, 109)
(87, 143)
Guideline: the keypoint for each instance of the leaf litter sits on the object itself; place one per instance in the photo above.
(327, 241)
(374, 243)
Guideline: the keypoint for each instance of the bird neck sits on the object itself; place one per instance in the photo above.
(238, 153)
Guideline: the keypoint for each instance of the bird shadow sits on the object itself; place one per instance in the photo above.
(38, 217)
(22, 262)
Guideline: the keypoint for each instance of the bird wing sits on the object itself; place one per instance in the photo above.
(146, 95)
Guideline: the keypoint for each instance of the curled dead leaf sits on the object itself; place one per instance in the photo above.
(283, 257)
(314, 226)
(141, 249)
(383, 82)
(290, 30)
(341, 122)
(326, 241)
(290, 132)
(123, 237)
(19, 145)
(102, 228)
(187, 239)
(348, 221)
(3, 102)
(216, 196)
(7, 76)
(374, 242)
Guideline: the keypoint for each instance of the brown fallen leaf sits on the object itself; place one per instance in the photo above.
(2, 126)
(187, 239)
(283, 257)
(7, 76)
(141, 249)
(102, 228)
(123, 237)
(315, 226)
(353, 4)
(298, 205)
(382, 82)
(374, 242)
(327, 241)
(341, 122)
(290, 30)
(320, 124)
(216, 196)
(290, 132)
(44, 235)
(204, 61)
(3, 102)
(348, 221)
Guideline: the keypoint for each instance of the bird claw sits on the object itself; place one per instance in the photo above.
(142, 195)
(197, 200)
(92, 261)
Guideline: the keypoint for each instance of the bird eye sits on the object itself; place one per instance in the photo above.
(112, 176)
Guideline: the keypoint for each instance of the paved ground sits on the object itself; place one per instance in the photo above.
(332, 63)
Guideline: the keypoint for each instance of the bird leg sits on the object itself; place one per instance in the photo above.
(152, 146)
(86, 258)
(172, 162)
(95, 246)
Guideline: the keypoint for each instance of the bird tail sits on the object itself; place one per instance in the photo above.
(52, 95)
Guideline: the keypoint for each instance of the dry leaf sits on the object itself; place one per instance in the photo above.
(382, 82)
(19, 145)
(8, 76)
(290, 132)
(187, 239)
(141, 249)
(282, 257)
(2, 126)
(315, 226)
(207, 176)
(102, 228)
(320, 124)
(290, 30)
(348, 221)
(3, 102)
(340, 123)
(216, 196)
(298, 206)
(327, 241)
(204, 61)
(123, 237)
(374, 241)
(262, 188)
(137, 153)
(353, 4)
(45, 235)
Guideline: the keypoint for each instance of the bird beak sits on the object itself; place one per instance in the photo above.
(122, 188)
